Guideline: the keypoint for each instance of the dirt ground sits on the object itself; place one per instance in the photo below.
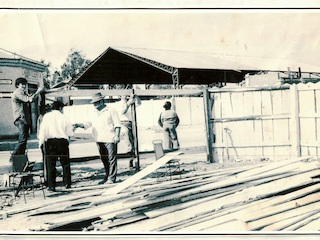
(85, 177)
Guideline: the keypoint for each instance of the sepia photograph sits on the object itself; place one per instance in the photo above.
(152, 120)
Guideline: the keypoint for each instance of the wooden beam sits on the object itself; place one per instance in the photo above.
(120, 92)
(143, 173)
(207, 111)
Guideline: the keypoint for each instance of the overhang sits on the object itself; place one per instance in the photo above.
(145, 66)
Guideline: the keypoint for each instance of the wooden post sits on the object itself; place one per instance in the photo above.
(295, 121)
(207, 110)
(135, 134)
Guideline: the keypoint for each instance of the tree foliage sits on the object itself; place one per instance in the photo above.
(75, 63)
(46, 78)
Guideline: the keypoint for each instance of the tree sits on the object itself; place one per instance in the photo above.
(56, 78)
(46, 78)
(75, 63)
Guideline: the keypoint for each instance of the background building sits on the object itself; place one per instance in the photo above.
(13, 66)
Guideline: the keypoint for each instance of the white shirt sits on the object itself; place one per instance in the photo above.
(121, 107)
(54, 125)
(103, 125)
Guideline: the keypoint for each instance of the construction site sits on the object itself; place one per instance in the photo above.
(248, 158)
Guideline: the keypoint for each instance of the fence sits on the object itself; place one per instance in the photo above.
(189, 110)
(265, 123)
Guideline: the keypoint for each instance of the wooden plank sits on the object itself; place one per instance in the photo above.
(209, 206)
(252, 207)
(312, 226)
(121, 92)
(278, 226)
(257, 225)
(143, 173)
(302, 223)
(233, 225)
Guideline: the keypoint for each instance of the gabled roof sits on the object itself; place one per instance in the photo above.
(147, 66)
(155, 66)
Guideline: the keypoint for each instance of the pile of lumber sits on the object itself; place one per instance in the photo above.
(278, 196)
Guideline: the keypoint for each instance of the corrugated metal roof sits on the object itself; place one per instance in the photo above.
(5, 54)
(182, 59)
(197, 60)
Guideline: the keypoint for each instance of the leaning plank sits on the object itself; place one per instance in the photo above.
(143, 173)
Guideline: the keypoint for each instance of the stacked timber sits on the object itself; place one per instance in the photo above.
(278, 196)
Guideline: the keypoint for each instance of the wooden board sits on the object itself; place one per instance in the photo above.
(143, 173)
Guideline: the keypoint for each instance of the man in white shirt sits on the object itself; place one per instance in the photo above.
(53, 133)
(106, 133)
(125, 115)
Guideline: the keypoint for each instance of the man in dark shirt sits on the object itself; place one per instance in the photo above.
(21, 113)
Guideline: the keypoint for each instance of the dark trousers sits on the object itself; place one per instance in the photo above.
(58, 148)
(45, 167)
(108, 154)
(23, 129)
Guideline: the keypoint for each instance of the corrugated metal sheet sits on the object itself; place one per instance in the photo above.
(197, 60)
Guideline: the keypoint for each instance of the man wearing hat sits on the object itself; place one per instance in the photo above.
(54, 133)
(106, 132)
(169, 121)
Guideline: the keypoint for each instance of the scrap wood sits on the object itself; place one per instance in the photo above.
(232, 225)
(111, 224)
(305, 221)
(311, 226)
(143, 173)
(254, 206)
(223, 184)
(259, 224)
(62, 207)
(218, 217)
(278, 226)
(273, 210)
(180, 215)
(274, 167)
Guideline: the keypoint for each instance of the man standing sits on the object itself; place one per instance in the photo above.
(169, 121)
(53, 133)
(21, 113)
(106, 133)
(125, 115)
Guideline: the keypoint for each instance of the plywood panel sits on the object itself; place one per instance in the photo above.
(277, 102)
(227, 107)
(306, 102)
(308, 130)
(237, 104)
(267, 128)
(248, 104)
(317, 101)
(281, 130)
(268, 152)
(216, 110)
(286, 101)
(257, 103)
(267, 108)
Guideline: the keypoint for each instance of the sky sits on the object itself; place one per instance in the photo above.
(50, 34)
